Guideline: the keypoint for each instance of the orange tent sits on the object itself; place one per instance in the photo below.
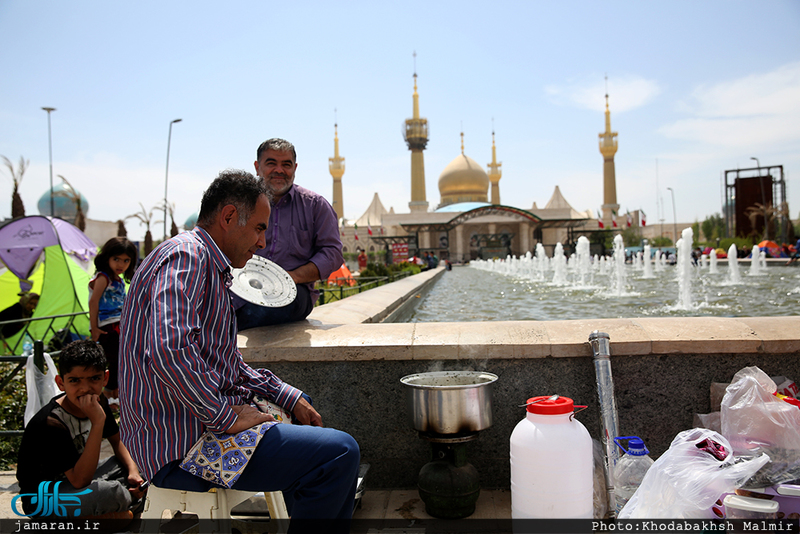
(342, 277)
(771, 247)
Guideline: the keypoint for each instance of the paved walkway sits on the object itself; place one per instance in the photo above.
(377, 504)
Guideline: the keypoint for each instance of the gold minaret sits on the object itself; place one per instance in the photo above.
(336, 166)
(608, 147)
(416, 137)
(494, 174)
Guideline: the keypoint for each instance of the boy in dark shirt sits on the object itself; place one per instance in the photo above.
(62, 442)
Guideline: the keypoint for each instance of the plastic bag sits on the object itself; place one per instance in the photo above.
(41, 386)
(686, 481)
(755, 421)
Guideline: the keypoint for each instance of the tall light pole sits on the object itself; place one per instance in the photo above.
(166, 177)
(674, 216)
(50, 145)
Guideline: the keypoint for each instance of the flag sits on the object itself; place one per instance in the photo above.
(614, 218)
(355, 231)
(630, 219)
(369, 228)
(643, 217)
(381, 228)
(600, 219)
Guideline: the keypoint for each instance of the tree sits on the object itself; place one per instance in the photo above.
(146, 218)
(72, 194)
(631, 237)
(121, 230)
(17, 207)
(767, 212)
(713, 227)
(169, 209)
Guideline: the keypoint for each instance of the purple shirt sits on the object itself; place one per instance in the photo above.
(180, 368)
(302, 228)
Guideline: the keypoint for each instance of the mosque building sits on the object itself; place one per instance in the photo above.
(469, 221)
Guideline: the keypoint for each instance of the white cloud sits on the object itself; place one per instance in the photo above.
(625, 92)
(756, 110)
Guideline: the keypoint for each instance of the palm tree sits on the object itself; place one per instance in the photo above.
(72, 194)
(17, 207)
(146, 218)
(767, 212)
(170, 210)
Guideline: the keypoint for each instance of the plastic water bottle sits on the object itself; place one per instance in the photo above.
(27, 346)
(552, 464)
(630, 469)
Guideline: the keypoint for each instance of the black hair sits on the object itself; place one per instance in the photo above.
(82, 353)
(277, 144)
(117, 246)
(232, 186)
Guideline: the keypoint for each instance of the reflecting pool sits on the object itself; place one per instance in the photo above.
(471, 294)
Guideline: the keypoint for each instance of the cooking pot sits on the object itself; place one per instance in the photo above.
(449, 402)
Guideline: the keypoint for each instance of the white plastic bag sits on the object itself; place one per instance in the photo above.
(755, 421)
(41, 386)
(687, 480)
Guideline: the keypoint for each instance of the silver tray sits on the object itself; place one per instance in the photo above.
(263, 282)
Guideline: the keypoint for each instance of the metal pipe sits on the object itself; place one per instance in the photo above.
(608, 409)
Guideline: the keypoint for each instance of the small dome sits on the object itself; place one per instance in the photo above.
(63, 204)
(191, 221)
(463, 180)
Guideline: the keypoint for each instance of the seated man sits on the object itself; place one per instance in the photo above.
(19, 310)
(62, 442)
(182, 374)
(303, 237)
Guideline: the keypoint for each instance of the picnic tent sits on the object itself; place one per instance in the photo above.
(770, 247)
(50, 257)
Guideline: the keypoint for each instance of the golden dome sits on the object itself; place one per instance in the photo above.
(463, 180)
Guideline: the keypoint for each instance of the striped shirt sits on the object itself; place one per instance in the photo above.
(180, 369)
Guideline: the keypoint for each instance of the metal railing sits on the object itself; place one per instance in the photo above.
(331, 291)
(56, 339)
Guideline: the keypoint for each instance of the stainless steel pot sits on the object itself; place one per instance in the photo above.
(449, 402)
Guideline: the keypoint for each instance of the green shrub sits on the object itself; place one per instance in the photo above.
(13, 400)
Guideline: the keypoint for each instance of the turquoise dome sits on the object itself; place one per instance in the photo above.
(63, 205)
(191, 221)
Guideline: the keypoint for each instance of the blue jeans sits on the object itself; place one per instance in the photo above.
(316, 468)
(252, 315)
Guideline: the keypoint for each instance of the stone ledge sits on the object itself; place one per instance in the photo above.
(314, 341)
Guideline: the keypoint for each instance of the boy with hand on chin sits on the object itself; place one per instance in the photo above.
(62, 442)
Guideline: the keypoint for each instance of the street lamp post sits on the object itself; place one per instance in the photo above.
(50, 146)
(674, 216)
(166, 177)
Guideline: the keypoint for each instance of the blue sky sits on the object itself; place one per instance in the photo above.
(699, 86)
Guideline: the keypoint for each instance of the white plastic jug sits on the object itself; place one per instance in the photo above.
(551, 463)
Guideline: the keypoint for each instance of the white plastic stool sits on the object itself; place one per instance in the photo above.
(214, 505)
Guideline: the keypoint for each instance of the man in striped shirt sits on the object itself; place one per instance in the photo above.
(181, 372)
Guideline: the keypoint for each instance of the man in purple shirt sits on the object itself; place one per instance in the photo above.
(181, 372)
(303, 237)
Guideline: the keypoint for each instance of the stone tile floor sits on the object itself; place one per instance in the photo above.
(376, 504)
